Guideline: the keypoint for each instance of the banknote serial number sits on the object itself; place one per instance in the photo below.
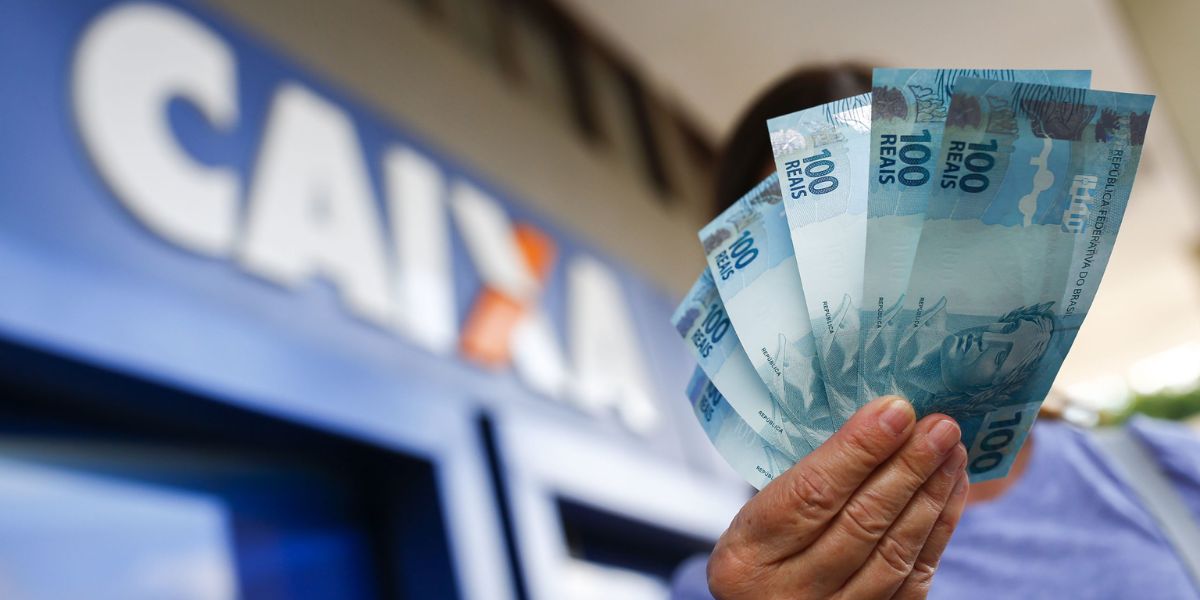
(738, 257)
(710, 332)
(811, 175)
(968, 166)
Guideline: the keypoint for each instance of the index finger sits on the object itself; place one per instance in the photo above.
(803, 500)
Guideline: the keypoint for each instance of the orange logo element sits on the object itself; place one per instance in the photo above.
(490, 323)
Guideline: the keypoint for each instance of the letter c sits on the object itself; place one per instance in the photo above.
(130, 63)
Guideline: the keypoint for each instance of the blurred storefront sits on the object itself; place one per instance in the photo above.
(312, 302)
(370, 298)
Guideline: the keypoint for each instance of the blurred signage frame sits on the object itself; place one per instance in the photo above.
(232, 220)
(307, 210)
(186, 206)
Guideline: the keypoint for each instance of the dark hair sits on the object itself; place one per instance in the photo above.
(748, 149)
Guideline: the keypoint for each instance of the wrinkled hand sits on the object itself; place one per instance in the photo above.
(866, 515)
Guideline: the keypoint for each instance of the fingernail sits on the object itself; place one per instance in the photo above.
(944, 435)
(961, 486)
(896, 417)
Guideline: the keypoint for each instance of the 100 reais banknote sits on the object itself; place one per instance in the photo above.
(908, 118)
(750, 258)
(942, 238)
(821, 158)
(707, 331)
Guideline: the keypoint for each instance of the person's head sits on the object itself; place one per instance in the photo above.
(997, 356)
(746, 154)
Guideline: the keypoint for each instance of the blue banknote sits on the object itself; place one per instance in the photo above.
(751, 456)
(749, 250)
(1031, 187)
(708, 333)
(908, 116)
(821, 160)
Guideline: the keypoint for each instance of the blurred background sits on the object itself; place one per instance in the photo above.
(447, 369)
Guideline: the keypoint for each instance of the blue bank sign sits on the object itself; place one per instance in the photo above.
(180, 203)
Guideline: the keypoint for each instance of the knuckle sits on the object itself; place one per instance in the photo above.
(865, 519)
(943, 528)
(895, 556)
(921, 578)
(915, 465)
(729, 571)
(866, 449)
(918, 584)
(925, 502)
(813, 494)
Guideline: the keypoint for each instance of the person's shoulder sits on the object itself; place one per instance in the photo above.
(1175, 445)
(690, 580)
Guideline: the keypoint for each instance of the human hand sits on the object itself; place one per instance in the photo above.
(866, 515)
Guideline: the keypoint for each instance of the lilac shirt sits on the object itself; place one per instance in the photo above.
(1068, 528)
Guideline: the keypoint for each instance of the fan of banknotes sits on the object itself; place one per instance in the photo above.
(940, 238)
